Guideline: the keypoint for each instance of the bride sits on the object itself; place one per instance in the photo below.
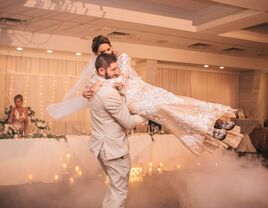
(192, 121)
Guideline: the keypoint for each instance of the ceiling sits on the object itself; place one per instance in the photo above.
(237, 27)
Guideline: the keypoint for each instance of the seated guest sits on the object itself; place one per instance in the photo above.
(19, 115)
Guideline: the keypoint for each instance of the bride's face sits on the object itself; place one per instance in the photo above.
(104, 48)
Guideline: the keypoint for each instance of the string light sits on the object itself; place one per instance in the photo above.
(41, 97)
(11, 87)
(26, 78)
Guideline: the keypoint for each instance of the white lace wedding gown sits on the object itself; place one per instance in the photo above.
(190, 120)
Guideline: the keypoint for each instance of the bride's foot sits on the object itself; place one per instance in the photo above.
(227, 125)
(219, 134)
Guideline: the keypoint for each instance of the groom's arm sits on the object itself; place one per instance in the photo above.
(117, 107)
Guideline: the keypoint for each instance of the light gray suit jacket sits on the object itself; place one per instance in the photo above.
(110, 118)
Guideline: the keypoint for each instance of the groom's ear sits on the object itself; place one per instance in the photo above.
(101, 71)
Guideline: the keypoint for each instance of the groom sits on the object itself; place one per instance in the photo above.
(110, 118)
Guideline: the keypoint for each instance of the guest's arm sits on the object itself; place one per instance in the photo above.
(11, 116)
(26, 124)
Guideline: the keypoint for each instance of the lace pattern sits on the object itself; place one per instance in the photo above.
(189, 119)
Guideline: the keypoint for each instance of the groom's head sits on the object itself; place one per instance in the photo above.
(106, 66)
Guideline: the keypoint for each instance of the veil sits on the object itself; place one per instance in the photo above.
(71, 102)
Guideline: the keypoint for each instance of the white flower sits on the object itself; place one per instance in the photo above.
(6, 127)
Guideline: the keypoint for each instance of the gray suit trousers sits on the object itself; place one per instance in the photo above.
(118, 171)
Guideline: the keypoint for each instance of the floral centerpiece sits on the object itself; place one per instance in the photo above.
(10, 131)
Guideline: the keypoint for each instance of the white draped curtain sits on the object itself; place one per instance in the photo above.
(219, 87)
(45, 80)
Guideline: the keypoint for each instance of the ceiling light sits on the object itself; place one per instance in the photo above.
(49, 51)
(206, 66)
(19, 49)
(78, 54)
(221, 67)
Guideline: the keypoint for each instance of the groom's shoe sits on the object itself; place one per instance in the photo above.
(227, 125)
(219, 134)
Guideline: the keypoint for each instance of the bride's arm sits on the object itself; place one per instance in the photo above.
(90, 91)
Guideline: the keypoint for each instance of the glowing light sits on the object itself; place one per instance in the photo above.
(178, 166)
(71, 180)
(80, 173)
(56, 178)
(30, 177)
(19, 48)
(68, 155)
(76, 168)
(78, 54)
(150, 164)
(49, 51)
(206, 66)
(64, 165)
(135, 175)
(221, 67)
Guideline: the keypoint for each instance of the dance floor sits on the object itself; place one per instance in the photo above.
(172, 177)
(168, 190)
(88, 193)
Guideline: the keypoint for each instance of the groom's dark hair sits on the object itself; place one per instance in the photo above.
(105, 60)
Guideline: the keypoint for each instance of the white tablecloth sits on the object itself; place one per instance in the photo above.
(39, 160)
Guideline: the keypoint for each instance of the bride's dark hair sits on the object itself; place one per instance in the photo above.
(97, 41)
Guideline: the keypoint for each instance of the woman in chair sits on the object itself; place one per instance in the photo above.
(18, 116)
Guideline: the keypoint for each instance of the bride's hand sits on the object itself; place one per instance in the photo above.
(89, 92)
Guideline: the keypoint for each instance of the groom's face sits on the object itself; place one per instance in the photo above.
(111, 72)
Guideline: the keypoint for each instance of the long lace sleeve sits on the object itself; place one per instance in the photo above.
(124, 62)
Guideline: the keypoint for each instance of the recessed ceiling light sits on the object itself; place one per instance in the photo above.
(49, 51)
(221, 67)
(78, 54)
(206, 66)
(19, 49)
